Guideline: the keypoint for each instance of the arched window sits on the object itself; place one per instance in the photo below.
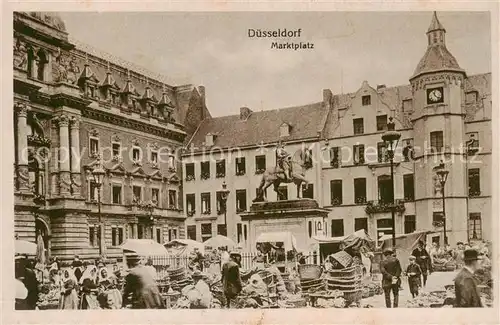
(42, 64)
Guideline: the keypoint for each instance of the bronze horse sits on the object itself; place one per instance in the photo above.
(299, 163)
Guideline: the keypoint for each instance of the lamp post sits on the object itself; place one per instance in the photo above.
(391, 140)
(224, 195)
(98, 173)
(442, 174)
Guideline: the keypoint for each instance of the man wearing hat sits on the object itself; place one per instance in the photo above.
(141, 290)
(231, 280)
(391, 273)
(466, 292)
(458, 255)
(423, 260)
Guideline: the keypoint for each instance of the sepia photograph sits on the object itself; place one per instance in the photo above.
(252, 160)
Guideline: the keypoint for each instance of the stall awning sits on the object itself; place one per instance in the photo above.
(285, 237)
(183, 246)
(144, 247)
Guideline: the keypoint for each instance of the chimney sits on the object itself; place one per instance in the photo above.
(245, 113)
(380, 87)
(327, 97)
(201, 90)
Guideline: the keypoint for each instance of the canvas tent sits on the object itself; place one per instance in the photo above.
(179, 247)
(285, 237)
(144, 247)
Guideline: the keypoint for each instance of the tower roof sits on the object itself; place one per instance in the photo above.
(437, 57)
(435, 24)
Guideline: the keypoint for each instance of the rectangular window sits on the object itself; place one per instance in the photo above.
(92, 236)
(260, 164)
(384, 227)
(382, 152)
(172, 199)
(205, 203)
(117, 148)
(158, 235)
(361, 223)
(155, 196)
(283, 193)
(206, 231)
(474, 182)
(359, 154)
(137, 192)
(437, 141)
(220, 203)
(220, 168)
(470, 97)
(382, 123)
(191, 232)
(308, 193)
(222, 230)
(336, 192)
(437, 219)
(189, 172)
(240, 166)
(358, 126)
(385, 194)
(360, 190)
(120, 235)
(136, 154)
(407, 105)
(117, 194)
(472, 144)
(241, 200)
(154, 157)
(113, 236)
(94, 146)
(366, 100)
(205, 170)
(335, 157)
(93, 188)
(410, 224)
(239, 232)
(190, 204)
(408, 187)
(337, 228)
(475, 227)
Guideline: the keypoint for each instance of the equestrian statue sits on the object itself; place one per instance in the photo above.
(288, 169)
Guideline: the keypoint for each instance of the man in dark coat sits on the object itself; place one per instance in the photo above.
(423, 260)
(231, 280)
(77, 265)
(413, 272)
(466, 292)
(141, 290)
(391, 277)
(31, 284)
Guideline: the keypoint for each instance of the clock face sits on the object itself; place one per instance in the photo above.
(435, 95)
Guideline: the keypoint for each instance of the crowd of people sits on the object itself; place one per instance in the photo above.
(472, 263)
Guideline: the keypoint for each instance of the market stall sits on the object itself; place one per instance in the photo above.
(279, 247)
(178, 247)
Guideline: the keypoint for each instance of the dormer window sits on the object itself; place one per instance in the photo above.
(284, 130)
(209, 139)
(366, 100)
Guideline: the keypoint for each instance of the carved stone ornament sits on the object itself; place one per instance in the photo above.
(76, 184)
(64, 182)
(23, 177)
(135, 142)
(75, 122)
(116, 138)
(22, 109)
(154, 146)
(65, 69)
(63, 120)
(94, 132)
(20, 55)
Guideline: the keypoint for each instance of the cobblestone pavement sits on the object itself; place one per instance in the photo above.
(436, 281)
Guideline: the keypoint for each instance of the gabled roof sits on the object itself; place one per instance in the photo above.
(138, 171)
(261, 126)
(117, 168)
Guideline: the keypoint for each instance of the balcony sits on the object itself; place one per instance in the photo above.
(336, 201)
(190, 178)
(474, 193)
(360, 200)
(207, 212)
(373, 207)
(38, 141)
(220, 175)
(205, 175)
(240, 172)
(260, 171)
(191, 213)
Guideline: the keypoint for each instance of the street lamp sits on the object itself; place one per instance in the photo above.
(442, 174)
(98, 173)
(224, 195)
(391, 140)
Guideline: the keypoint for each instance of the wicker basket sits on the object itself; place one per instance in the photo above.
(343, 258)
(353, 295)
(309, 271)
(346, 273)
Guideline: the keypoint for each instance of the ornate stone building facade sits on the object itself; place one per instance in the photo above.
(74, 109)
(442, 114)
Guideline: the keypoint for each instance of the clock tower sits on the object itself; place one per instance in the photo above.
(439, 131)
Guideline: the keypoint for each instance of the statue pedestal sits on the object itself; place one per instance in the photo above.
(303, 218)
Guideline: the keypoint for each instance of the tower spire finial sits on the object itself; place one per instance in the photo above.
(435, 24)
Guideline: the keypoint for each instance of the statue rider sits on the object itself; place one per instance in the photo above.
(281, 157)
